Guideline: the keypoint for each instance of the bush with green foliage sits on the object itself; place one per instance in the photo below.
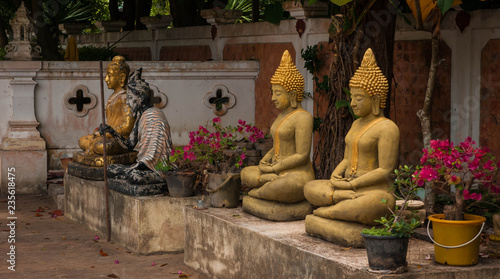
(2, 53)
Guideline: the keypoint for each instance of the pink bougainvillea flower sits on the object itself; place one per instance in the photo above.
(471, 196)
(96, 237)
(117, 261)
(241, 122)
(216, 120)
(428, 173)
(153, 264)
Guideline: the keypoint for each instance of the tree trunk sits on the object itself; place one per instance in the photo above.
(3, 36)
(185, 13)
(113, 10)
(424, 116)
(46, 34)
(377, 33)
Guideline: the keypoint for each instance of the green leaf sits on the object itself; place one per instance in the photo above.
(342, 104)
(273, 13)
(347, 92)
(340, 2)
(444, 5)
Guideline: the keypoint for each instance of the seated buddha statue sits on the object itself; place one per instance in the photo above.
(277, 182)
(118, 116)
(150, 136)
(351, 200)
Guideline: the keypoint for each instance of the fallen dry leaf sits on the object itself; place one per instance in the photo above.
(57, 212)
(28, 224)
(184, 275)
(38, 215)
(103, 253)
(92, 266)
(163, 265)
(40, 209)
(112, 275)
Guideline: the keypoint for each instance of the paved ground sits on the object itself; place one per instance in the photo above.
(55, 247)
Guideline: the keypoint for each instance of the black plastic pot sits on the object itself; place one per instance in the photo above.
(386, 254)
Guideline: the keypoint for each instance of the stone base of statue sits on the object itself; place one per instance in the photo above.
(124, 187)
(228, 243)
(276, 211)
(336, 231)
(128, 158)
(86, 172)
(143, 225)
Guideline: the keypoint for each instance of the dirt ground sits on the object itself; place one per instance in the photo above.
(51, 246)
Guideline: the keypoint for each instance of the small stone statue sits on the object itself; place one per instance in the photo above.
(118, 116)
(277, 182)
(150, 136)
(351, 199)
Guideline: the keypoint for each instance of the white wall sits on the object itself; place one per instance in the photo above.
(184, 83)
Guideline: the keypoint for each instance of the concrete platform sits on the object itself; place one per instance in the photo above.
(229, 243)
(143, 225)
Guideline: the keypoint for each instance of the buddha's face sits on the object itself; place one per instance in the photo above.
(280, 97)
(361, 102)
(113, 79)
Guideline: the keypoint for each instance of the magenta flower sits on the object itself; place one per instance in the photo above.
(471, 196)
(96, 237)
(117, 261)
(241, 122)
(216, 120)
(153, 264)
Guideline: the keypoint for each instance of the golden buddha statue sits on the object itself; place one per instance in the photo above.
(351, 200)
(118, 116)
(277, 182)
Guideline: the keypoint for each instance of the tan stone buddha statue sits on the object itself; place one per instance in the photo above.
(277, 182)
(351, 199)
(118, 116)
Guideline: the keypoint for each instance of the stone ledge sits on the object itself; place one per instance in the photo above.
(229, 243)
(143, 225)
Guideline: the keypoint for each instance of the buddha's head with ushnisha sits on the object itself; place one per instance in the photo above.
(289, 77)
(370, 78)
(117, 73)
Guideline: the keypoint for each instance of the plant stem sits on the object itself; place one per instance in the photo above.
(425, 117)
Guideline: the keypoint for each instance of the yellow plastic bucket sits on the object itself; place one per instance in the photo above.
(456, 242)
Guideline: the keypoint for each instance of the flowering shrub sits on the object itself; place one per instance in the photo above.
(217, 149)
(213, 147)
(180, 160)
(461, 166)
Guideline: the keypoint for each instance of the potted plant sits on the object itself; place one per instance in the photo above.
(179, 172)
(219, 151)
(387, 245)
(456, 171)
(218, 154)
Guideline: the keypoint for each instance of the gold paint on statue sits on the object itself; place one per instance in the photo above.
(278, 181)
(118, 116)
(351, 198)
